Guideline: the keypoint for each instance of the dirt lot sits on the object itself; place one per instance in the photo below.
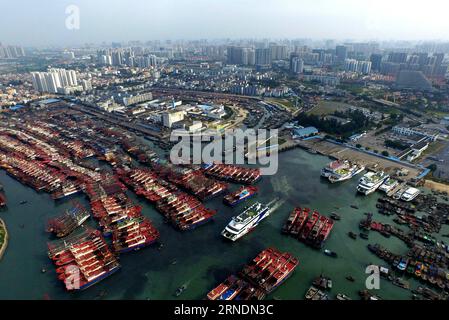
(370, 161)
(436, 186)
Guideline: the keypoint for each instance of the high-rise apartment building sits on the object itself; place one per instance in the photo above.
(53, 80)
(263, 56)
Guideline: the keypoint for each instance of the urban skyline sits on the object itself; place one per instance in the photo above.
(151, 20)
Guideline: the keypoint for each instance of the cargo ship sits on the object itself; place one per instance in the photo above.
(260, 277)
(241, 195)
(346, 172)
(371, 181)
(269, 269)
(65, 224)
(247, 220)
(233, 173)
(133, 234)
(82, 260)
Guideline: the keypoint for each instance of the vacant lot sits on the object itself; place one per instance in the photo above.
(329, 107)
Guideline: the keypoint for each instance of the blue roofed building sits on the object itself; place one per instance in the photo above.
(302, 133)
(17, 107)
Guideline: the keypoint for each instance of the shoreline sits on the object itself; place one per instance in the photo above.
(5, 242)
(437, 186)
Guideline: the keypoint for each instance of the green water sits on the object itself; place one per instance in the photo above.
(203, 257)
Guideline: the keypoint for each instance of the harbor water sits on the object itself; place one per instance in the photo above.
(202, 258)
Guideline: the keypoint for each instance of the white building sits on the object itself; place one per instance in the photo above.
(169, 118)
(297, 65)
(53, 80)
(364, 67)
(411, 132)
(352, 65)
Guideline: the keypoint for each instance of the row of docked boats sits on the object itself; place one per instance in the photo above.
(341, 170)
(413, 264)
(195, 182)
(308, 227)
(382, 181)
(82, 259)
(119, 217)
(266, 272)
(232, 173)
(183, 210)
(66, 223)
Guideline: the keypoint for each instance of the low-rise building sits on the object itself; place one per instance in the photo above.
(301, 133)
(433, 136)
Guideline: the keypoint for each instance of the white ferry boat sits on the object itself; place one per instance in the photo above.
(410, 194)
(388, 185)
(371, 181)
(332, 167)
(343, 174)
(246, 221)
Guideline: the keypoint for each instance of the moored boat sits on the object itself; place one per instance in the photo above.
(241, 195)
(371, 181)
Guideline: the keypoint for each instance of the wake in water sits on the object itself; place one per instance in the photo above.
(281, 185)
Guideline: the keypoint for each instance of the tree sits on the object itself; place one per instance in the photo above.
(358, 145)
(433, 167)
(385, 153)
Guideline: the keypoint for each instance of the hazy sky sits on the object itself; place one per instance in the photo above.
(34, 22)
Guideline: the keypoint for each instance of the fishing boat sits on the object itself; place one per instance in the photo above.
(330, 253)
(241, 195)
(181, 290)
